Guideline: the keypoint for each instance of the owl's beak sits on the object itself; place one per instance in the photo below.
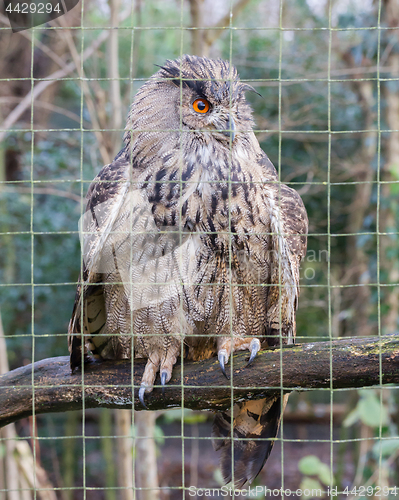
(230, 130)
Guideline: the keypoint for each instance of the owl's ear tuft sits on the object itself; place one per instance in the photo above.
(174, 74)
(248, 88)
(171, 69)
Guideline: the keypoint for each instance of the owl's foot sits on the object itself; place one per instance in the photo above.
(161, 360)
(226, 347)
(141, 396)
(163, 381)
(223, 358)
(254, 347)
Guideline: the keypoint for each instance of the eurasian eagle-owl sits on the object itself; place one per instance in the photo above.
(192, 246)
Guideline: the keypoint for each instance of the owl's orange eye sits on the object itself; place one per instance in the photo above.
(201, 106)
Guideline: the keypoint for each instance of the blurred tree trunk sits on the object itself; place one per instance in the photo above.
(195, 455)
(197, 35)
(358, 263)
(203, 40)
(356, 270)
(20, 474)
(389, 211)
(106, 431)
(16, 68)
(8, 464)
(69, 454)
(124, 446)
(8, 242)
(115, 120)
(146, 459)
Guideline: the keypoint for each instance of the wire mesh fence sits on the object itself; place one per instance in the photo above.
(327, 117)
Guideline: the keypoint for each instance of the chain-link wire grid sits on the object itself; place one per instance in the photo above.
(346, 174)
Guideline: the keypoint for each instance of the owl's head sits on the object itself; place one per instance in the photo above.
(202, 96)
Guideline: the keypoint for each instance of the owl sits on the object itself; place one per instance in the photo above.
(192, 247)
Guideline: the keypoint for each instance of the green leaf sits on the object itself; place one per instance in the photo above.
(367, 393)
(394, 189)
(311, 486)
(159, 435)
(324, 474)
(369, 410)
(351, 418)
(189, 416)
(195, 417)
(372, 412)
(394, 171)
(174, 415)
(309, 465)
(385, 447)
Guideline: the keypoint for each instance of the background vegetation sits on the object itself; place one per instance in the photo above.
(328, 119)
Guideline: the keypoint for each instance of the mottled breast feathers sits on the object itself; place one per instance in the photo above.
(191, 246)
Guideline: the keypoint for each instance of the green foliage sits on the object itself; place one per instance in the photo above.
(42, 226)
(386, 448)
(189, 416)
(309, 484)
(369, 410)
(313, 466)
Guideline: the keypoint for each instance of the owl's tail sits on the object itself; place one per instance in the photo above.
(255, 425)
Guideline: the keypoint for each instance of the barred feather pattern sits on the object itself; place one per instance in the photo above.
(191, 244)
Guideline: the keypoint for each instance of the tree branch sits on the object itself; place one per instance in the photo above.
(355, 363)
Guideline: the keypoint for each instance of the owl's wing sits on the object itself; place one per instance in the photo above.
(130, 264)
(248, 433)
(289, 228)
(105, 199)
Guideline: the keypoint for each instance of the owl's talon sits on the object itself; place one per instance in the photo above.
(254, 347)
(141, 396)
(163, 382)
(222, 355)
